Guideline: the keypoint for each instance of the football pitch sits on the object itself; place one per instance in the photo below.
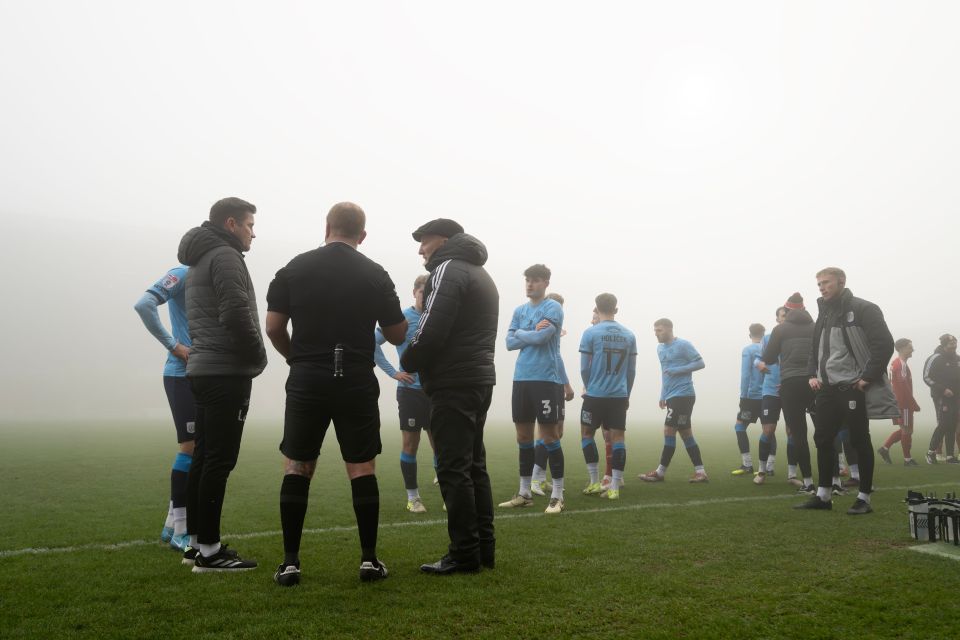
(82, 507)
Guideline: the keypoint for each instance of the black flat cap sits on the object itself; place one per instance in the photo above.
(439, 227)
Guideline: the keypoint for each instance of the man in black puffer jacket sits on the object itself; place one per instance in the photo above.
(226, 354)
(452, 351)
(790, 347)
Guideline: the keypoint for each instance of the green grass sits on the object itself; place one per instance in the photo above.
(673, 560)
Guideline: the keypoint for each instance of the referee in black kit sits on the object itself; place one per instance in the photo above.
(452, 351)
(335, 297)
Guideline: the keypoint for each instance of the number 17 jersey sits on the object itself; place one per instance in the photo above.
(611, 347)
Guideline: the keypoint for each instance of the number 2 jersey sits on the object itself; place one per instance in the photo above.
(612, 350)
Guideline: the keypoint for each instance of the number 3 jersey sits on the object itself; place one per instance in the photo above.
(612, 352)
(538, 362)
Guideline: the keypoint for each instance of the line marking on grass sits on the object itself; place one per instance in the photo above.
(12, 553)
(938, 549)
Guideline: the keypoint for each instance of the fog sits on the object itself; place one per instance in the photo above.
(700, 160)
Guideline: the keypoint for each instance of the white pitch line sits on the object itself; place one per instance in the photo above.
(936, 549)
(12, 553)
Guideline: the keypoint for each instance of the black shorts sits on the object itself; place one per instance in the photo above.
(770, 413)
(535, 401)
(414, 406)
(607, 413)
(749, 411)
(182, 406)
(679, 412)
(313, 401)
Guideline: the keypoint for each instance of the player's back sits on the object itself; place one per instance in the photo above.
(611, 346)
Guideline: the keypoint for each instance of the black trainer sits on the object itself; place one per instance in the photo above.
(884, 453)
(910, 463)
(189, 556)
(372, 570)
(814, 503)
(952, 460)
(931, 457)
(447, 565)
(838, 490)
(808, 490)
(287, 575)
(223, 560)
(859, 508)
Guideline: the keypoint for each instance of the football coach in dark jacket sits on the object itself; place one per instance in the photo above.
(226, 354)
(851, 346)
(452, 350)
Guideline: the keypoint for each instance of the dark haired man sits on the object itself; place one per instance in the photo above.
(226, 354)
(941, 372)
(678, 360)
(847, 370)
(412, 402)
(608, 366)
(334, 296)
(453, 350)
(901, 379)
(537, 385)
(751, 387)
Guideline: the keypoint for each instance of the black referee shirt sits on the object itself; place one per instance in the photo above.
(334, 295)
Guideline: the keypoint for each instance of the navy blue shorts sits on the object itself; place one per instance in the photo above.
(749, 411)
(182, 406)
(608, 413)
(680, 412)
(536, 401)
(770, 413)
(414, 409)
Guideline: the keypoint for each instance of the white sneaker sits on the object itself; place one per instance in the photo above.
(555, 506)
(416, 506)
(537, 486)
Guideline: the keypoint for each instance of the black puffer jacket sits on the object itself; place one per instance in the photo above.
(790, 343)
(454, 344)
(221, 306)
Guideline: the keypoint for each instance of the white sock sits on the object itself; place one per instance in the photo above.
(193, 542)
(864, 496)
(593, 469)
(746, 459)
(836, 481)
(661, 470)
(557, 488)
(179, 521)
(413, 494)
(208, 550)
(770, 460)
(539, 473)
(907, 459)
(791, 471)
(823, 493)
(699, 469)
(855, 471)
(525, 486)
(617, 481)
(808, 481)
(169, 522)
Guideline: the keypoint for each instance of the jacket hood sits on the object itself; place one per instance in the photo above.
(799, 316)
(199, 240)
(461, 246)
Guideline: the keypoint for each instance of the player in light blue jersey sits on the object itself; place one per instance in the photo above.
(678, 360)
(751, 394)
(412, 402)
(608, 366)
(170, 290)
(537, 385)
(770, 414)
(539, 484)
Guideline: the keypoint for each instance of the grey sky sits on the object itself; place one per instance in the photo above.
(700, 160)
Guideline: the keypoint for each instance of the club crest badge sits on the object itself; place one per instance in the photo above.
(849, 316)
(852, 404)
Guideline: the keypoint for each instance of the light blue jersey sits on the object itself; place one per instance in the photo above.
(413, 321)
(751, 378)
(678, 360)
(171, 290)
(608, 360)
(771, 380)
(539, 350)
